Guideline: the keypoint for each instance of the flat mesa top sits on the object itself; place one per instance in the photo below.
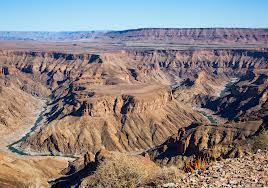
(105, 46)
(136, 89)
(146, 38)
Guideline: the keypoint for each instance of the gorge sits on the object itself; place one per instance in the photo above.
(156, 104)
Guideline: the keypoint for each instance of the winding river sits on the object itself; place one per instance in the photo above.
(227, 86)
(14, 146)
(209, 117)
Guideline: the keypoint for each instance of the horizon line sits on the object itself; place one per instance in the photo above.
(131, 29)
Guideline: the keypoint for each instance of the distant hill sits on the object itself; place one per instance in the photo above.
(192, 35)
(167, 35)
(43, 35)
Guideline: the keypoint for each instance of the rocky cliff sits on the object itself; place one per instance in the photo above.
(124, 122)
(193, 35)
(18, 102)
(123, 100)
(209, 141)
(245, 100)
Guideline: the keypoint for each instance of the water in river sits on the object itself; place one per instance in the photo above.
(227, 86)
(13, 147)
(221, 94)
(210, 118)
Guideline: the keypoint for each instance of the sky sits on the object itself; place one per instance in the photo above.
(87, 15)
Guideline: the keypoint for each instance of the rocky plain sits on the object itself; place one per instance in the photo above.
(135, 108)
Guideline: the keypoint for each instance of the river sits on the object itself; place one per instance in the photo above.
(14, 147)
(209, 117)
(226, 87)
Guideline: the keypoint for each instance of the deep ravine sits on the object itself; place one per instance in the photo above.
(209, 116)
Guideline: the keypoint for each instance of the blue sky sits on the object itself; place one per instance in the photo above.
(75, 15)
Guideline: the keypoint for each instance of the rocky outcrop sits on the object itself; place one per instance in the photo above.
(130, 122)
(245, 100)
(212, 141)
(245, 171)
(17, 107)
(238, 172)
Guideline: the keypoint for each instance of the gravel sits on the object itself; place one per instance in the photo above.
(248, 172)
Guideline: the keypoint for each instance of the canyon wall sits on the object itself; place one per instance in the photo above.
(123, 100)
(193, 35)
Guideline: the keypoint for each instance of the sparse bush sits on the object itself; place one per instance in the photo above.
(260, 142)
(123, 170)
(163, 176)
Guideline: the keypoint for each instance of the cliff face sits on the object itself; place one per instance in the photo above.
(214, 141)
(17, 103)
(16, 106)
(126, 122)
(194, 35)
(122, 100)
(245, 100)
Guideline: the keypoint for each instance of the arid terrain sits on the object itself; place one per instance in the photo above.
(135, 108)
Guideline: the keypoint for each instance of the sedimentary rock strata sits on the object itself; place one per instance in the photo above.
(212, 141)
(163, 35)
(194, 35)
(123, 100)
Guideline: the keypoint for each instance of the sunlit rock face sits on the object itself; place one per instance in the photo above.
(123, 100)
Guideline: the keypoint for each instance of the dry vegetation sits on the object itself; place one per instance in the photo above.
(260, 142)
(123, 170)
(193, 165)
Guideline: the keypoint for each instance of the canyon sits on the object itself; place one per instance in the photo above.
(160, 105)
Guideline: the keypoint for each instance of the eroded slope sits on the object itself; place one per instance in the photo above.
(122, 100)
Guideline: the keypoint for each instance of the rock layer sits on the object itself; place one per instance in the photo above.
(164, 35)
(212, 141)
(194, 35)
(120, 100)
